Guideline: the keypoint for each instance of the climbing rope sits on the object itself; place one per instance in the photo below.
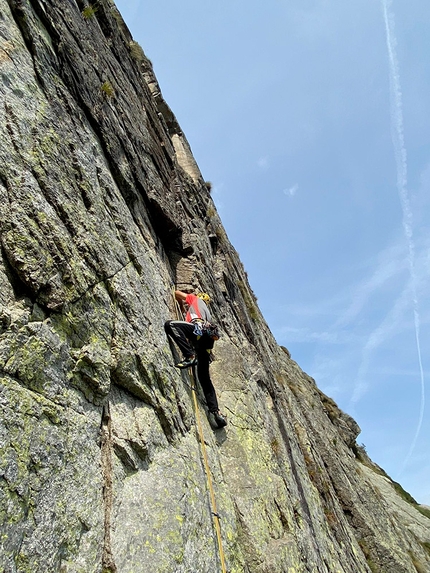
(214, 510)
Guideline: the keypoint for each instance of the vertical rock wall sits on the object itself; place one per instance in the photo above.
(103, 210)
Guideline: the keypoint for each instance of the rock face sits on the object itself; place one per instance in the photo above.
(103, 209)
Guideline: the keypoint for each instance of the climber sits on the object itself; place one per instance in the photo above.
(196, 341)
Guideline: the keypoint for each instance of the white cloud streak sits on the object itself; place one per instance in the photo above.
(292, 190)
(387, 328)
(401, 162)
(391, 263)
(263, 163)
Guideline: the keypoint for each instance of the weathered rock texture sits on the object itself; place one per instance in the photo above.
(103, 209)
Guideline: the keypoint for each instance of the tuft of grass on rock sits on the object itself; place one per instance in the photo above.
(426, 546)
(136, 51)
(424, 511)
(249, 303)
(107, 89)
(274, 444)
(89, 11)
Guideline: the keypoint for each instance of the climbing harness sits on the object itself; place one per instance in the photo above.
(202, 327)
(214, 510)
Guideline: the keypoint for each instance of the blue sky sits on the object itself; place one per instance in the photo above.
(311, 118)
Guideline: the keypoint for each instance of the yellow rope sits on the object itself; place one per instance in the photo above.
(205, 459)
(209, 478)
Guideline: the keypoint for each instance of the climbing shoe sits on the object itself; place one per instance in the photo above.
(187, 362)
(219, 419)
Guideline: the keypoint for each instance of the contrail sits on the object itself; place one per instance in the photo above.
(402, 179)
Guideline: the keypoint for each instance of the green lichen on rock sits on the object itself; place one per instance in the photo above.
(39, 462)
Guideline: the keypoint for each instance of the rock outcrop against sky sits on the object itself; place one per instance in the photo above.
(103, 210)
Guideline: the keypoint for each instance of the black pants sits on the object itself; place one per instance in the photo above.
(190, 344)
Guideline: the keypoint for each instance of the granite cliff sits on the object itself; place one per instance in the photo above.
(103, 209)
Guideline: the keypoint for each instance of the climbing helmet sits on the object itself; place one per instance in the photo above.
(204, 296)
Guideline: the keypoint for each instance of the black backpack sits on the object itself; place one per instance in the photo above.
(207, 329)
(211, 330)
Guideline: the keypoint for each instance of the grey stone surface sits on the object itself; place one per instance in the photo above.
(102, 210)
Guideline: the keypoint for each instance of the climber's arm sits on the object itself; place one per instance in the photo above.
(180, 296)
